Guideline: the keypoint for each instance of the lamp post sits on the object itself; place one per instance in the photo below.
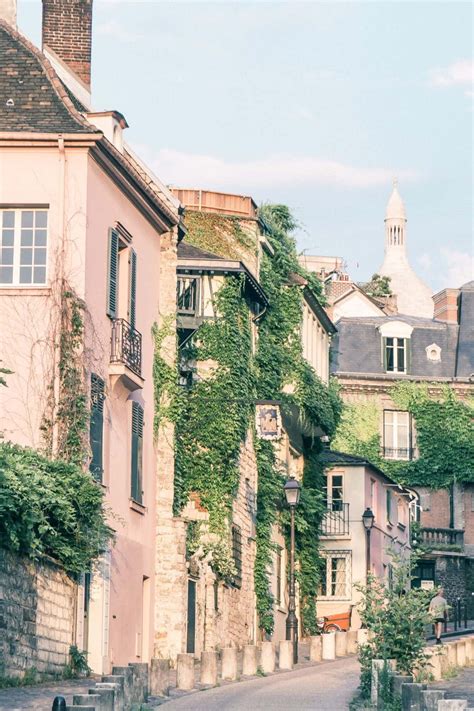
(368, 519)
(292, 493)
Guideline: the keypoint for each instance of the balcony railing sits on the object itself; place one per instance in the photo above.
(336, 520)
(126, 345)
(397, 453)
(434, 537)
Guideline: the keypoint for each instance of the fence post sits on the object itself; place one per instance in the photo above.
(59, 704)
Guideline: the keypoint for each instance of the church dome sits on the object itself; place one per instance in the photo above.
(395, 207)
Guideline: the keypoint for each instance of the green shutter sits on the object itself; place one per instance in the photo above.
(112, 274)
(96, 426)
(407, 355)
(132, 289)
(137, 452)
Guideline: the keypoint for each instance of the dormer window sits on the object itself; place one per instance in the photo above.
(396, 346)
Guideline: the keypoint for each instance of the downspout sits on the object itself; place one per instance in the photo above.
(59, 277)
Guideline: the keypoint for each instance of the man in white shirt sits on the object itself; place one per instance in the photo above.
(439, 612)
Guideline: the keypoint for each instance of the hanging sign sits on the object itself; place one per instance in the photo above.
(268, 420)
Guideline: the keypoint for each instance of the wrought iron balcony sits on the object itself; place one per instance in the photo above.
(441, 537)
(336, 520)
(397, 453)
(126, 346)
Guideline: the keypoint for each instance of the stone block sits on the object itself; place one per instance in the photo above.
(451, 652)
(139, 682)
(80, 708)
(397, 680)
(285, 657)
(378, 668)
(452, 705)
(461, 653)
(106, 698)
(209, 668)
(250, 660)
(185, 672)
(267, 657)
(315, 648)
(351, 641)
(159, 677)
(328, 641)
(430, 698)
(127, 674)
(411, 696)
(119, 704)
(434, 665)
(87, 700)
(229, 663)
(341, 644)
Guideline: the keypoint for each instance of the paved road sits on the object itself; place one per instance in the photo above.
(329, 686)
(461, 687)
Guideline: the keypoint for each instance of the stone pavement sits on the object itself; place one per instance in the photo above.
(461, 687)
(40, 698)
(326, 686)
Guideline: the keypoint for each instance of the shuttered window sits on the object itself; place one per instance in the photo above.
(137, 452)
(96, 427)
(112, 274)
(132, 289)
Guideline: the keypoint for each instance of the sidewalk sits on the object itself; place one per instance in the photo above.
(40, 698)
(461, 687)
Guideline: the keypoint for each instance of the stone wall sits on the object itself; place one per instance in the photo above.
(37, 616)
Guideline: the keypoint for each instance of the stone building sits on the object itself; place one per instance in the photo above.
(88, 234)
(372, 354)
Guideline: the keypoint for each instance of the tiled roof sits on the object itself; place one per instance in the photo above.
(33, 99)
(188, 251)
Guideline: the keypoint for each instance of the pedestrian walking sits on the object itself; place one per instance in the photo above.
(439, 612)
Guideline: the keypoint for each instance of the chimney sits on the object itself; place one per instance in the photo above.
(8, 12)
(446, 305)
(67, 34)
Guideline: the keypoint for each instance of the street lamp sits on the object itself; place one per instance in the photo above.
(292, 493)
(368, 519)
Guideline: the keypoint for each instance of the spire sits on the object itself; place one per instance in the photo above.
(395, 207)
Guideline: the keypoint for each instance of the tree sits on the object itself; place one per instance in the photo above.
(377, 286)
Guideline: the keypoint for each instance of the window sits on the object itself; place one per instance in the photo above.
(278, 576)
(23, 247)
(388, 499)
(137, 453)
(334, 491)
(96, 426)
(425, 501)
(187, 295)
(122, 259)
(397, 434)
(395, 354)
(237, 555)
(401, 518)
(373, 495)
(336, 575)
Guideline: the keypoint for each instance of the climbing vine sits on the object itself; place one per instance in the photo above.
(444, 435)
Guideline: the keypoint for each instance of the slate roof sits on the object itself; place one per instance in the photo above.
(188, 251)
(330, 458)
(40, 101)
(465, 355)
(357, 347)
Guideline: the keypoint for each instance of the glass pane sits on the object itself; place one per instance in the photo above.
(26, 256)
(39, 275)
(41, 219)
(27, 238)
(25, 275)
(389, 351)
(40, 257)
(6, 256)
(40, 238)
(9, 218)
(6, 275)
(401, 356)
(27, 218)
(7, 238)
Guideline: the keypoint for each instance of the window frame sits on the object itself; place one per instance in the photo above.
(196, 281)
(395, 346)
(329, 556)
(329, 488)
(396, 426)
(17, 246)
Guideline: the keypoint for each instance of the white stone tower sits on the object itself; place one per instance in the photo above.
(413, 295)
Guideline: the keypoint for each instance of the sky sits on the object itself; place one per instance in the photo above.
(318, 105)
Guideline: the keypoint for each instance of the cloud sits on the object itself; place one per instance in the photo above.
(114, 29)
(425, 261)
(460, 267)
(459, 73)
(193, 169)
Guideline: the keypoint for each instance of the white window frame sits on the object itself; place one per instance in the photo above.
(329, 487)
(17, 246)
(396, 426)
(397, 343)
(329, 556)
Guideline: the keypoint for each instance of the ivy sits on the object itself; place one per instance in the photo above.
(50, 508)
(444, 435)
(220, 234)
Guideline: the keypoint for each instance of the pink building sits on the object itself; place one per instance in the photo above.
(354, 485)
(87, 242)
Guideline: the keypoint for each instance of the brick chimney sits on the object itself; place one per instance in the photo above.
(446, 305)
(67, 32)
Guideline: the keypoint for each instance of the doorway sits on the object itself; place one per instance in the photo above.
(191, 622)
